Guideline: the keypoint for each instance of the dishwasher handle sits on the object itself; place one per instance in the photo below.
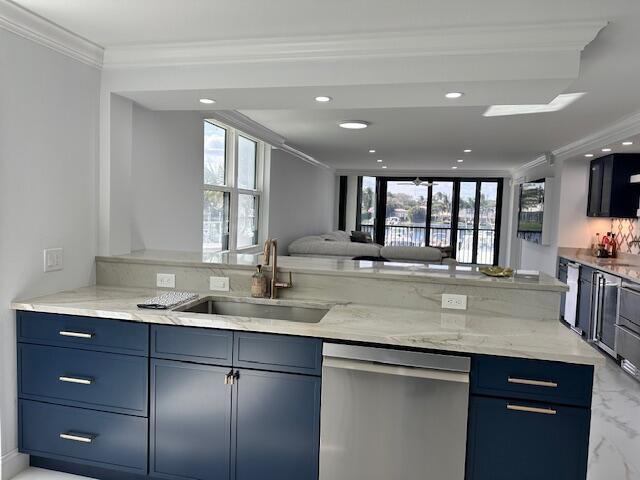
(398, 370)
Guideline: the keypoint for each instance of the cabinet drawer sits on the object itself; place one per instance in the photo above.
(532, 379)
(83, 332)
(628, 344)
(84, 436)
(630, 304)
(200, 345)
(103, 381)
(511, 439)
(278, 353)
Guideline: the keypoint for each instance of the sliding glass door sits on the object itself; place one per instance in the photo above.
(459, 214)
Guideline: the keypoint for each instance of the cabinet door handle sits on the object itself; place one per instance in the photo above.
(78, 380)
(76, 437)
(228, 378)
(536, 383)
(522, 408)
(68, 333)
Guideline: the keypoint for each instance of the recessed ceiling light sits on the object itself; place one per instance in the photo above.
(384, 166)
(379, 160)
(372, 151)
(626, 144)
(558, 103)
(323, 99)
(454, 95)
(467, 150)
(207, 101)
(354, 124)
(460, 160)
(588, 155)
(606, 150)
(454, 168)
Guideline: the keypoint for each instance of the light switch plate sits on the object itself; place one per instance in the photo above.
(53, 259)
(454, 302)
(166, 280)
(219, 284)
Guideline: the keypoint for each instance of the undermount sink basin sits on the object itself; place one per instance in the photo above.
(256, 310)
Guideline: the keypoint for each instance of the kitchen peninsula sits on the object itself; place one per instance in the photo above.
(126, 385)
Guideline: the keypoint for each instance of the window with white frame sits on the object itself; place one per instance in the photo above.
(233, 166)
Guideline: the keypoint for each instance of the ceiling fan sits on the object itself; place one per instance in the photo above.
(418, 182)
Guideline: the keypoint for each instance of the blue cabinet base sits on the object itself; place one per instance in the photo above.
(85, 470)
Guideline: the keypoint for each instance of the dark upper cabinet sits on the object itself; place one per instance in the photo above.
(610, 192)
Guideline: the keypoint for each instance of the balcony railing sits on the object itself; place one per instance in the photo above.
(409, 236)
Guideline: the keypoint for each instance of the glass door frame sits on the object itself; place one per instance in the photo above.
(381, 209)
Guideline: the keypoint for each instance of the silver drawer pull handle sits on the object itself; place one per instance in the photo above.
(81, 381)
(67, 333)
(521, 408)
(75, 437)
(536, 383)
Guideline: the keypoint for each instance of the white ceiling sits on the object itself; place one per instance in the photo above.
(413, 127)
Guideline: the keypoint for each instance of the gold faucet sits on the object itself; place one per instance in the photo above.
(271, 251)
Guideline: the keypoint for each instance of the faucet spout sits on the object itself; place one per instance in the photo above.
(271, 254)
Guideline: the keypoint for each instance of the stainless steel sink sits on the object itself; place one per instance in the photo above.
(255, 310)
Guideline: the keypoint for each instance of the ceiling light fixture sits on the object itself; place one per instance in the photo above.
(379, 160)
(372, 151)
(323, 99)
(626, 144)
(354, 124)
(207, 101)
(384, 166)
(588, 155)
(606, 150)
(454, 95)
(468, 150)
(454, 168)
(558, 103)
(460, 160)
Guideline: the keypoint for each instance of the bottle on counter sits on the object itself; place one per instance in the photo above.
(259, 284)
(613, 249)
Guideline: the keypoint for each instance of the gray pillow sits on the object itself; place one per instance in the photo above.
(360, 237)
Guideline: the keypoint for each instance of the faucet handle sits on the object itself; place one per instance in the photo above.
(266, 252)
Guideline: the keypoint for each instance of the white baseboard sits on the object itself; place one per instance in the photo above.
(12, 463)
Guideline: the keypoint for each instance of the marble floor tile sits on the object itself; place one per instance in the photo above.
(615, 426)
(615, 430)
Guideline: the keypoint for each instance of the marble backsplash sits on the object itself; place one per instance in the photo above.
(626, 230)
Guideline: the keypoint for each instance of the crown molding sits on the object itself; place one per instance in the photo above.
(249, 126)
(470, 40)
(26, 24)
(617, 132)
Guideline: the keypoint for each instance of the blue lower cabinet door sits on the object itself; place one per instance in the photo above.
(277, 426)
(190, 421)
(510, 439)
(101, 439)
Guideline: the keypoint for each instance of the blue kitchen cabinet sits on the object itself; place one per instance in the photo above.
(276, 425)
(190, 421)
(513, 439)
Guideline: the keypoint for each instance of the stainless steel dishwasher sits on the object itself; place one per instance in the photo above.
(391, 414)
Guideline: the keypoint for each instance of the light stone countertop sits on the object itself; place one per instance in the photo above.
(625, 266)
(463, 332)
(411, 272)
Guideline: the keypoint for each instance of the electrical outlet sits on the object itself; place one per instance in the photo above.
(219, 284)
(166, 280)
(53, 259)
(454, 302)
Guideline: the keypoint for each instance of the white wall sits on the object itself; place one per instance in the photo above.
(302, 199)
(48, 181)
(570, 226)
(166, 176)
